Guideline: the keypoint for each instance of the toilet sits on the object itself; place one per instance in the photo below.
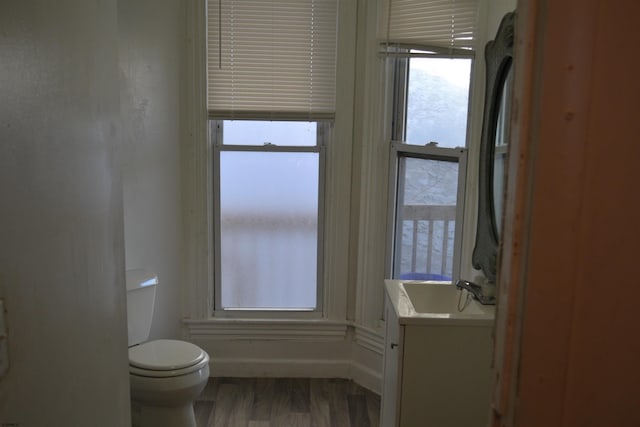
(165, 376)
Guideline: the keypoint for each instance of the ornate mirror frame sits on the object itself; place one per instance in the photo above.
(498, 58)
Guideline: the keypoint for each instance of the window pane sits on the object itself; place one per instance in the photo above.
(248, 132)
(425, 219)
(269, 230)
(437, 101)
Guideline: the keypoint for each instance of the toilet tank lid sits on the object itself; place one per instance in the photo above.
(140, 278)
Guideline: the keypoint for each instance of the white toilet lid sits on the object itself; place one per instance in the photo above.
(165, 355)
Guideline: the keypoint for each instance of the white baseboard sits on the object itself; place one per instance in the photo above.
(366, 358)
(366, 377)
(291, 349)
(296, 368)
(279, 368)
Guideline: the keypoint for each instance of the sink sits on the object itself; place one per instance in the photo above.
(435, 303)
(437, 360)
(442, 298)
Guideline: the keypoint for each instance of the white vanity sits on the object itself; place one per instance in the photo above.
(437, 359)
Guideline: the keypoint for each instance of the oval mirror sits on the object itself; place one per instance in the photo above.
(501, 148)
(494, 148)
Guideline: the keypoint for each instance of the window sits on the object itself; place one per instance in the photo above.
(271, 104)
(431, 98)
(429, 46)
(268, 207)
(437, 95)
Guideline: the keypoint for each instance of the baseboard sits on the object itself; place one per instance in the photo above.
(366, 377)
(291, 349)
(366, 358)
(279, 368)
(296, 368)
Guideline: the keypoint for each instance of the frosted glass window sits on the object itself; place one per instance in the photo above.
(269, 230)
(438, 101)
(425, 218)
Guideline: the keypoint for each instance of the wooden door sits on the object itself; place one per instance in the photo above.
(566, 347)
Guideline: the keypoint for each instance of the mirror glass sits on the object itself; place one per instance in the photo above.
(500, 152)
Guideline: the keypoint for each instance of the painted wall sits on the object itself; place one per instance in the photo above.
(61, 229)
(150, 64)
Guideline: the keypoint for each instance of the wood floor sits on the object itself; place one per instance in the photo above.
(286, 402)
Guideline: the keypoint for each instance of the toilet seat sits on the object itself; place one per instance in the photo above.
(166, 358)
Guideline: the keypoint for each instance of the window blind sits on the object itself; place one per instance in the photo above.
(271, 59)
(446, 24)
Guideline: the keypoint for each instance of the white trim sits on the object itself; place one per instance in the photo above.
(197, 167)
(324, 138)
(298, 368)
(338, 170)
(457, 155)
(370, 339)
(290, 348)
(266, 329)
(279, 368)
(367, 354)
(372, 208)
(196, 171)
(366, 377)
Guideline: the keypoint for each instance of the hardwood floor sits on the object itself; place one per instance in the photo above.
(286, 402)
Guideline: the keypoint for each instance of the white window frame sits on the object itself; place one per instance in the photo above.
(216, 134)
(457, 155)
(197, 155)
(398, 83)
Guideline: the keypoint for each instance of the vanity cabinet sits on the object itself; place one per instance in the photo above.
(436, 373)
(392, 366)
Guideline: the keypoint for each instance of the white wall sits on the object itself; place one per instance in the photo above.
(61, 230)
(496, 9)
(149, 74)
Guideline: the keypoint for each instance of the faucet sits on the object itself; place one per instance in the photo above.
(476, 291)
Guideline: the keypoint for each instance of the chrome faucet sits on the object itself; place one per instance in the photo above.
(476, 291)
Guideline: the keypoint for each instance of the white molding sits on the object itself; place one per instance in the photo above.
(266, 329)
(366, 358)
(373, 176)
(291, 348)
(372, 340)
(279, 368)
(366, 377)
(196, 168)
(338, 171)
(298, 368)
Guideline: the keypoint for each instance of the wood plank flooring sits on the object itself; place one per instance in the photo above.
(286, 402)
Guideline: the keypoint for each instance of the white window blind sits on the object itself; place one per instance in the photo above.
(446, 24)
(271, 59)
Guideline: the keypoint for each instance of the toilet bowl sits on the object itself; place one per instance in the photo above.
(165, 376)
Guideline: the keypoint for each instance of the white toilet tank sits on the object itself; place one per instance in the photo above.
(141, 296)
